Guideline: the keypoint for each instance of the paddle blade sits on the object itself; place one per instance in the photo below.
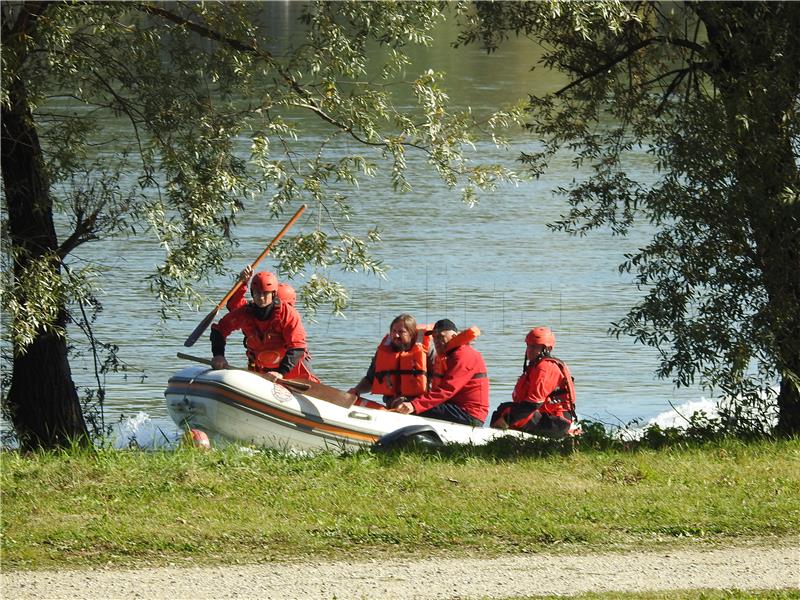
(198, 331)
(326, 392)
(292, 384)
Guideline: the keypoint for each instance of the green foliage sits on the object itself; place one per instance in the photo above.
(33, 301)
(210, 100)
(711, 91)
(699, 430)
(209, 104)
(731, 424)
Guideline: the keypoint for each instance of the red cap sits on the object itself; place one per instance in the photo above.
(264, 282)
(541, 335)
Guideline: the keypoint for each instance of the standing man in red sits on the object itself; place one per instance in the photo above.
(274, 332)
(461, 394)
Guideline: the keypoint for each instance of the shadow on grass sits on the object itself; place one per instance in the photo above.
(701, 432)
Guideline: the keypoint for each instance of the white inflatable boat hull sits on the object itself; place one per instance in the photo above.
(244, 407)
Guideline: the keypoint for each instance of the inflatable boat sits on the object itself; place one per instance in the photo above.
(242, 406)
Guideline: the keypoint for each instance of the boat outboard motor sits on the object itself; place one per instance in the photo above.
(408, 436)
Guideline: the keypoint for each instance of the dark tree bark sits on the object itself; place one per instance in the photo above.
(42, 400)
(759, 80)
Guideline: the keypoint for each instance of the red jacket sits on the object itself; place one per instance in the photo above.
(238, 300)
(465, 383)
(267, 340)
(547, 382)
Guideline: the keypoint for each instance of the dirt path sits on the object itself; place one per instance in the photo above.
(775, 567)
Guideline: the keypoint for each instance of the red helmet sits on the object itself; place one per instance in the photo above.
(287, 294)
(264, 282)
(541, 335)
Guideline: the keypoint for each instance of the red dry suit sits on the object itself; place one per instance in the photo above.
(274, 337)
(544, 400)
(465, 383)
(547, 382)
(440, 360)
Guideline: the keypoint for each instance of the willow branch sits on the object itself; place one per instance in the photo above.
(630, 51)
(85, 231)
(250, 48)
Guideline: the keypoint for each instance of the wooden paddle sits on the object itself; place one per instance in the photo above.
(311, 388)
(325, 392)
(198, 331)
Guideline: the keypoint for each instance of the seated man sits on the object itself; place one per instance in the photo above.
(544, 397)
(460, 393)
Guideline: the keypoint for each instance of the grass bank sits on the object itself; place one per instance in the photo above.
(131, 508)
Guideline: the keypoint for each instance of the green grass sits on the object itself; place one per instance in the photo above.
(63, 510)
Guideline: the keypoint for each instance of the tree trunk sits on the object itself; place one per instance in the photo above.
(42, 400)
(788, 409)
(775, 216)
(760, 83)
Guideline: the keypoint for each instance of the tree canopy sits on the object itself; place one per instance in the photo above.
(711, 90)
(207, 96)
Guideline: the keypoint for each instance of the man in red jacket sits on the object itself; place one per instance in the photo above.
(544, 397)
(462, 393)
(275, 336)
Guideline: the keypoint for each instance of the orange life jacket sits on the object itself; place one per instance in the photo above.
(264, 340)
(266, 350)
(403, 373)
(440, 360)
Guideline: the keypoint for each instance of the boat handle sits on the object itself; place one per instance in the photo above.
(354, 414)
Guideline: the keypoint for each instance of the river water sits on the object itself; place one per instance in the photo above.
(494, 265)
